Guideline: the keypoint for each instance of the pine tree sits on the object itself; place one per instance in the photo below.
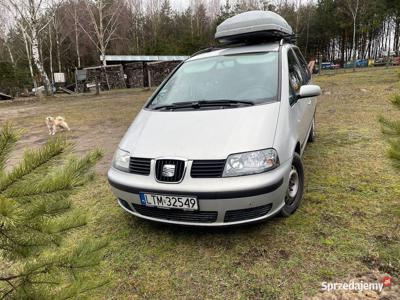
(36, 215)
(392, 129)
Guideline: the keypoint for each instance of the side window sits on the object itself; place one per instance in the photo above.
(295, 76)
(304, 66)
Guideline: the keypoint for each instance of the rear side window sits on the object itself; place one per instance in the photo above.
(304, 66)
(295, 76)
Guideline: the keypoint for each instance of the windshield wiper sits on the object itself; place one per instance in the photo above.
(203, 103)
(176, 105)
(224, 102)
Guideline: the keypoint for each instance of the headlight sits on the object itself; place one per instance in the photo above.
(121, 160)
(251, 162)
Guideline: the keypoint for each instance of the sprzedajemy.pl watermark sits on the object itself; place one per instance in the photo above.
(357, 286)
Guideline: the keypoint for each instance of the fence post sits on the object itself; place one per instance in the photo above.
(97, 86)
(76, 81)
(149, 76)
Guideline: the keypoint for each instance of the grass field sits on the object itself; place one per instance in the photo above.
(349, 221)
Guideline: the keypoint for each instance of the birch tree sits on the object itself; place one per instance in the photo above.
(51, 54)
(5, 24)
(103, 18)
(28, 54)
(353, 7)
(58, 23)
(29, 13)
(75, 17)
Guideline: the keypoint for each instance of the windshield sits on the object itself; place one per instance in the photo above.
(249, 77)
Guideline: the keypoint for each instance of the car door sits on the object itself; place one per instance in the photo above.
(298, 107)
(310, 103)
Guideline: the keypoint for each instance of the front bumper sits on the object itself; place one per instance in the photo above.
(222, 201)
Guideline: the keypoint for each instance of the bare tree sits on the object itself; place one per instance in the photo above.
(298, 6)
(5, 24)
(76, 32)
(213, 8)
(104, 21)
(57, 21)
(7, 21)
(51, 55)
(28, 13)
(28, 54)
(136, 14)
(353, 7)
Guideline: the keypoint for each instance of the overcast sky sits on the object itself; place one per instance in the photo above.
(183, 4)
(180, 4)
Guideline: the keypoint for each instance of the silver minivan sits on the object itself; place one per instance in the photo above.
(220, 141)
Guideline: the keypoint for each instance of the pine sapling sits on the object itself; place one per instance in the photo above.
(36, 215)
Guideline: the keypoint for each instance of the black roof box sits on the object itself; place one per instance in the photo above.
(253, 27)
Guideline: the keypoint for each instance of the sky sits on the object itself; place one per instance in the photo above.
(180, 4)
(183, 4)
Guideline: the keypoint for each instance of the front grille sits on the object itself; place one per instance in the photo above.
(247, 213)
(175, 176)
(139, 165)
(176, 214)
(207, 168)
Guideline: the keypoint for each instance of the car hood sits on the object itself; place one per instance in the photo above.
(201, 134)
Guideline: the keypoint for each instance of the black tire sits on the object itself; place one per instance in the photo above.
(293, 198)
(311, 136)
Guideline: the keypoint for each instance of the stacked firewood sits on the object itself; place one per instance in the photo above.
(108, 77)
(135, 75)
(158, 71)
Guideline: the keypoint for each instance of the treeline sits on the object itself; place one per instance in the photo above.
(38, 38)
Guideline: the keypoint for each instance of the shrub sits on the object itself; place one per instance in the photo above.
(392, 127)
(396, 100)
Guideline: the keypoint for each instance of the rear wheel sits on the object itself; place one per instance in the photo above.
(295, 189)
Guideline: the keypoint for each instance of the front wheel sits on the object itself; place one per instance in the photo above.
(295, 189)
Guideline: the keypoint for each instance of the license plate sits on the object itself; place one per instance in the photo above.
(169, 201)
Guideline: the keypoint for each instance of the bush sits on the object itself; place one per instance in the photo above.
(396, 100)
(36, 214)
(13, 79)
(392, 128)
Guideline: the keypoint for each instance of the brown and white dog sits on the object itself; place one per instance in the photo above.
(56, 123)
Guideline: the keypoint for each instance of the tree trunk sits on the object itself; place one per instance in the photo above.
(101, 36)
(298, 16)
(10, 53)
(342, 48)
(397, 35)
(354, 43)
(37, 61)
(369, 45)
(58, 52)
(51, 55)
(388, 44)
(307, 34)
(77, 37)
(29, 57)
(103, 55)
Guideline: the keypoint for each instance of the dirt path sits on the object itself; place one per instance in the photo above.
(95, 121)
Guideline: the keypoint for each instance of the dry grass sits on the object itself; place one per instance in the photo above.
(349, 221)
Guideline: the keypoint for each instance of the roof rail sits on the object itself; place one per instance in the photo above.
(288, 39)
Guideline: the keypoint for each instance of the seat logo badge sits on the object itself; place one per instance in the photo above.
(168, 171)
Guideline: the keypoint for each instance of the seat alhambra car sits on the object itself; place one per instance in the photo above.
(220, 141)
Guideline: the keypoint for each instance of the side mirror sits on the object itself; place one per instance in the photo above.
(307, 91)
